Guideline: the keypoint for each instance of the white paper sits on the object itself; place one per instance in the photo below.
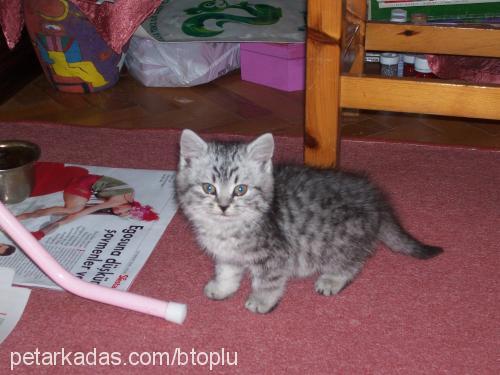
(13, 300)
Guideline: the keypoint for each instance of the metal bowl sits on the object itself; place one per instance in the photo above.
(17, 175)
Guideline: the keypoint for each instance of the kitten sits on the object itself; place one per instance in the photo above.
(283, 221)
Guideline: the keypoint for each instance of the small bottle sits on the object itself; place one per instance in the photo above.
(418, 18)
(422, 69)
(389, 64)
(399, 16)
(409, 66)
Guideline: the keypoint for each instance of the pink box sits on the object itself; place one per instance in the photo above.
(281, 66)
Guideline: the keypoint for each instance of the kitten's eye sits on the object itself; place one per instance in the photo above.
(240, 190)
(209, 188)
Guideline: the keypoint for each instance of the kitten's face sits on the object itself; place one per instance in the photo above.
(225, 182)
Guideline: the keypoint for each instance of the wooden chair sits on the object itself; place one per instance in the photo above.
(337, 38)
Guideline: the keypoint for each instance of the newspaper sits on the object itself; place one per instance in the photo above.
(104, 248)
(13, 300)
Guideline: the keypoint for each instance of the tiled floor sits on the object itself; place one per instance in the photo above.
(229, 105)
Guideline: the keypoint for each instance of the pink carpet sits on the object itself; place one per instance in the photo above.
(401, 316)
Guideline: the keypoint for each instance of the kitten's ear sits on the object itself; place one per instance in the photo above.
(192, 145)
(262, 148)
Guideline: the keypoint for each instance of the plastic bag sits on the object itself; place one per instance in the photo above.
(157, 64)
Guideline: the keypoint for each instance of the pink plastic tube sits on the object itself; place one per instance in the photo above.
(171, 311)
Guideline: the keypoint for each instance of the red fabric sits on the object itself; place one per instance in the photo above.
(52, 177)
(400, 316)
(115, 22)
(472, 69)
(11, 21)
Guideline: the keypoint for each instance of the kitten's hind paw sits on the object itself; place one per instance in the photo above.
(258, 306)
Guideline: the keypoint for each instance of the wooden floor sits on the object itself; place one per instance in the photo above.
(229, 105)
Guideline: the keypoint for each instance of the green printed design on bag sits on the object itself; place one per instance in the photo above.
(263, 14)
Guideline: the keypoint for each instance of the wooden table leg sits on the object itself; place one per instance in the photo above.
(323, 68)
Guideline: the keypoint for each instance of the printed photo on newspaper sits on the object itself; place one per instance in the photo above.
(100, 223)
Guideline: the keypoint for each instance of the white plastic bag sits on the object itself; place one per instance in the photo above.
(157, 64)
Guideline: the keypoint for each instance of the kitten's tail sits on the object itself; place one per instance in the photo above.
(393, 235)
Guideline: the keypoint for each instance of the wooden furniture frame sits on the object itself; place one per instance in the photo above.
(337, 38)
(18, 67)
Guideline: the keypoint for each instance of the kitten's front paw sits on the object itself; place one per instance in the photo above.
(258, 306)
(214, 290)
(329, 286)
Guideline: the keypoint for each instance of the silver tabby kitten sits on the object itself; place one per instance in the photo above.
(281, 222)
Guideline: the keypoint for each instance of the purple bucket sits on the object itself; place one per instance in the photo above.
(73, 55)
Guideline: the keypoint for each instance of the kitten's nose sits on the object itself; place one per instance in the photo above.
(223, 207)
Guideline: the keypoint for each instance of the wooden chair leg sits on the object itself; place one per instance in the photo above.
(323, 69)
